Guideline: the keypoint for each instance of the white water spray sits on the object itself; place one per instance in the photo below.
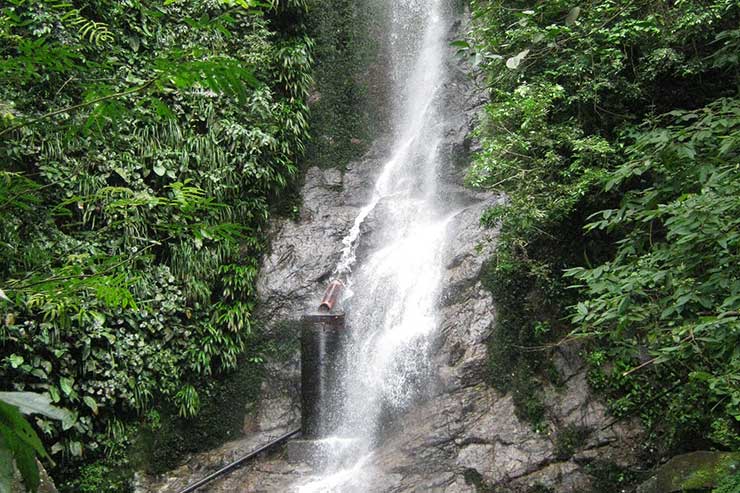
(392, 315)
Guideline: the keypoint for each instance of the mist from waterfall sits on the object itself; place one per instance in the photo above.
(391, 312)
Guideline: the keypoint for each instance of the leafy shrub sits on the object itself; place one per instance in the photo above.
(612, 131)
(142, 145)
(100, 477)
(607, 477)
(728, 484)
(672, 290)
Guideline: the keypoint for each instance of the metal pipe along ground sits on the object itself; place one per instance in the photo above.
(227, 469)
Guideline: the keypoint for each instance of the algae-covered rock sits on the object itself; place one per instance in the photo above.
(694, 471)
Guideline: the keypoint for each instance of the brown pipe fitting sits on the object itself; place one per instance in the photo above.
(331, 296)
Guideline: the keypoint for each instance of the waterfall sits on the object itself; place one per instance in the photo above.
(391, 314)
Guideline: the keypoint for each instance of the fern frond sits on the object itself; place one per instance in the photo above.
(92, 31)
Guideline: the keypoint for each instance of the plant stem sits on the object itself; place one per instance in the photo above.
(75, 107)
(87, 276)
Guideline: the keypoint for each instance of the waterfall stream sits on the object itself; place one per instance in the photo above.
(391, 312)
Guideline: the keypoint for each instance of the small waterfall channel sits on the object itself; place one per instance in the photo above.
(393, 290)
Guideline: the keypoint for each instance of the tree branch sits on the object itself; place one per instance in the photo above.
(75, 107)
(88, 276)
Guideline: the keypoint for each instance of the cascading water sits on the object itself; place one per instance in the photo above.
(391, 314)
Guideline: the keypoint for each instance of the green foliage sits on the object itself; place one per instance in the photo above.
(519, 325)
(98, 477)
(111, 473)
(19, 444)
(226, 399)
(142, 145)
(612, 130)
(608, 477)
(87, 29)
(729, 484)
(673, 288)
(188, 402)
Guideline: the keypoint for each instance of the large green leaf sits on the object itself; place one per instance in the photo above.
(67, 385)
(15, 428)
(19, 438)
(25, 460)
(6, 467)
(32, 403)
(91, 403)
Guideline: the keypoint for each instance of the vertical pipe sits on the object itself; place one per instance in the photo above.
(320, 337)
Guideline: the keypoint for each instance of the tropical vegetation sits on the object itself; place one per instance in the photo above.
(614, 132)
(144, 145)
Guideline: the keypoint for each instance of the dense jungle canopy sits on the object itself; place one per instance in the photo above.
(145, 145)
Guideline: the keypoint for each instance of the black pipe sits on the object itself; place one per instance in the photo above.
(320, 339)
(238, 462)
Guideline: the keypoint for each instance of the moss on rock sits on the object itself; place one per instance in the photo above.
(346, 113)
(164, 442)
(569, 440)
